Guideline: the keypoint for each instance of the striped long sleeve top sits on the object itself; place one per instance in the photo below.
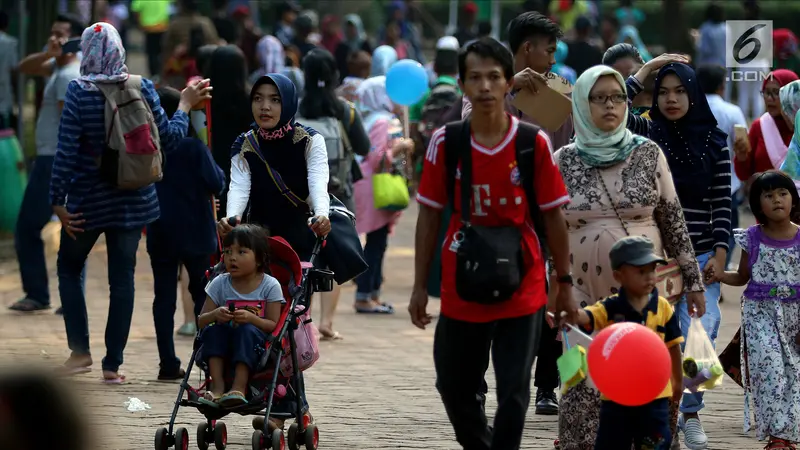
(76, 180)
(708, 217)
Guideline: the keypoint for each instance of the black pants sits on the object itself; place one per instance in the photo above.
(152, 46)
(646, 426)
(546, 376)
(165, 284)
(461, 357)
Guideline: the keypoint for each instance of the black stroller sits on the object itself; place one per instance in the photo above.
(277, 374)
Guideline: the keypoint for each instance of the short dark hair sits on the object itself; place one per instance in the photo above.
(3, 20)
(484, 28)
(715, 13)
(76, 25)
(530, 24)
(711, 77)
(612, 20)
(446, 62)
(771, 180)
(621, 51)
(253, 237)
(169, 98)
(487, 48)
(219, 4)
(188, 5)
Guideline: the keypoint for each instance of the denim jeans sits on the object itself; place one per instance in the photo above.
(34, 214)
(165, 284)
(737, 198)
(121, 244)
(692, 403)
(369, 282)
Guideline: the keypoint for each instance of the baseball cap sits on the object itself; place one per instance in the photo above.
(470, 8)
(635, 251)
(447, 43)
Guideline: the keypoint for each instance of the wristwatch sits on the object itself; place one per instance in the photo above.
(565, 279)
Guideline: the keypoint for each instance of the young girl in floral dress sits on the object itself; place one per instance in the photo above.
(770, 266)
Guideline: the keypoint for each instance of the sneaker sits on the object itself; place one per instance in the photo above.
(187, 329)
(546, 402)
(694, 436)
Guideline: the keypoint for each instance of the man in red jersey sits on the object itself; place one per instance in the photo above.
(467, 330)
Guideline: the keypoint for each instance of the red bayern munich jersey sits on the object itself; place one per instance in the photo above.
(498, 200)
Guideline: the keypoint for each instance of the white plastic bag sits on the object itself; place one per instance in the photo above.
(702, 370)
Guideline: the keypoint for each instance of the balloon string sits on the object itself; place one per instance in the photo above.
(406, 133)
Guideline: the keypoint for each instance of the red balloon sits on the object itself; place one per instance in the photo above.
(629, 363)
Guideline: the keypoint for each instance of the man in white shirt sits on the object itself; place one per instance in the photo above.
(712, 80)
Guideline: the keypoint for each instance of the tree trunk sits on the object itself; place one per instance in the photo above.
(676, 29)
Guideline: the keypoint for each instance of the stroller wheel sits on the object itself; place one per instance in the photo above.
(311, 437)
(202, 436)
(258, 440)
(162, 439)
(220, 436)
(291, 437)
(181, 439)
(278, 440)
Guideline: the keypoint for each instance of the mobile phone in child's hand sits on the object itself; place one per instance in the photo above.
(222, 315)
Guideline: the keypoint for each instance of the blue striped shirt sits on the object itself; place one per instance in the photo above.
(76, 180)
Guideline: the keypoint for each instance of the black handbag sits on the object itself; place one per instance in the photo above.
(342, 250)
(489, 260)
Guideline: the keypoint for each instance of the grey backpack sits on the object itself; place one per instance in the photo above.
(132, 158)
(340, 153)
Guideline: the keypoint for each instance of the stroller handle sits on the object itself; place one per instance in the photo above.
(232, 221)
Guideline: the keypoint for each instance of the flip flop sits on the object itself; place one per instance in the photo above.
(118, 380)
(328, 336)
(379, 309)
(212, 402)
(68, 371)
(232, 399)
(28, 305)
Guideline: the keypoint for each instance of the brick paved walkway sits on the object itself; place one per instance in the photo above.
(372, 390)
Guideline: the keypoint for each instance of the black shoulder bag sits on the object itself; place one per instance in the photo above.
(489, 260)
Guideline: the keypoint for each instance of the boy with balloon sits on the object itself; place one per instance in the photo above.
(635, 361)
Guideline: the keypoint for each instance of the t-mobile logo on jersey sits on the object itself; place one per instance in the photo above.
(479, 199)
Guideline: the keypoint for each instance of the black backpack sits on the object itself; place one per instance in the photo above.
(489, 262)
(442, 99)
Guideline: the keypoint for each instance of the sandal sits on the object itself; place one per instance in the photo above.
(328, 335)
(209, 399)
(779, 444)
(28, 305)
(232, 399)
(119, 379)
(382, 308)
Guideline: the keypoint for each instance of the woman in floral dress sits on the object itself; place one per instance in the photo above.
(613, 176)
(770, 267)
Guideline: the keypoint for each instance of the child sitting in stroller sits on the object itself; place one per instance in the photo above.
(242, 307)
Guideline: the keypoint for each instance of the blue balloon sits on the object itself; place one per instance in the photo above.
(406, 82)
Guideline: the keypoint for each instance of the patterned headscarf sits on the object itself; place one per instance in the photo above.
(103, 56)
(790, 99)
(270, 54)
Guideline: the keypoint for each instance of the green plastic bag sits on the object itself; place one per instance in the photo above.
(13, 180)
(389, 189)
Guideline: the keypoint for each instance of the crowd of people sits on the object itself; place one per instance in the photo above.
(650, 168)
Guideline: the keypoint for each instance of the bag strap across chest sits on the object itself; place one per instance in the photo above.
(294, 199)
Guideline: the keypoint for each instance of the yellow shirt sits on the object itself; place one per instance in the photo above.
(658, 315)
(153, 14)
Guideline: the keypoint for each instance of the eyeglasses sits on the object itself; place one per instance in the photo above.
(603, 99)
(773, 94)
